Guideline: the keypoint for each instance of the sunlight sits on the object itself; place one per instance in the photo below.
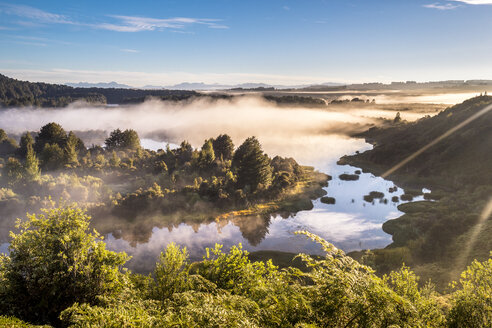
(437, 140)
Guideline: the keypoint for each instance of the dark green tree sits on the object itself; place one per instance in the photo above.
(223, 147)
(52, 157)
(127, 139)
(51, 133)
(12, 171)
(8, 146)
(25, 141)
(252, 165)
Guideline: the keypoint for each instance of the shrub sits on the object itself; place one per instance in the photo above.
(55, 261)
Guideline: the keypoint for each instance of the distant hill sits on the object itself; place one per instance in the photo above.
(23, 93)
(112, 84)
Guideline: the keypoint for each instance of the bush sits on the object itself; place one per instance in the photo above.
(55, 261)
(472, 305)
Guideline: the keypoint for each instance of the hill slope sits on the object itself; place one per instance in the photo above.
(437, 237)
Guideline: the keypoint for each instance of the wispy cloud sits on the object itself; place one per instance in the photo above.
(35, 14)
(28, 43)
(137, 24)
(439, 6)
(133, 51)
(475, 2)
(117, 23)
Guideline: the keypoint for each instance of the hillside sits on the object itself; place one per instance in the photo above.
(22, 93)
(439, 236)
(463, 158)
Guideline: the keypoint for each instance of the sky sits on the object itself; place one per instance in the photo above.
(281, 42)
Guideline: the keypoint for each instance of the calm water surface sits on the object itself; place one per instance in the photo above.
(350, 224)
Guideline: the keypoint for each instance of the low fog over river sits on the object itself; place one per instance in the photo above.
(315, 137)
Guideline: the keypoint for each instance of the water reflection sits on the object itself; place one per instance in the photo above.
(351, 223)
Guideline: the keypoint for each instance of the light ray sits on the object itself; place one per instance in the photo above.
(437, 140)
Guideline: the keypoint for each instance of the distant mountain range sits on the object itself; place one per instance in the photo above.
(196, 86)
(106, 85)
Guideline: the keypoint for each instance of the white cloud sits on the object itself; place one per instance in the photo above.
(130, 50)
(475, 2)
(121, 23)
(35, 14)
(137, 24)
(439, 6)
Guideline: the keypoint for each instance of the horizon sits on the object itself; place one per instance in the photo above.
(280, 42)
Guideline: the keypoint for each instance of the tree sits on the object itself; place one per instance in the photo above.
(184, 152)
(70, 150)
(31, 165)
(25, 141)
(13, 171)
(8, 146)
(52, 157)
(252, 165)
(397, 118)
(223, 147)
(114, 161)
(55, 261)
(127, 139)
(51, 133)
(207, 155)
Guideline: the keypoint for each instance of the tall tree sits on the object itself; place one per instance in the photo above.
(70, 150)
(207, 154)
(25, 141)
(31, 165)
(223, 147)
(51, 133)
(252, 165)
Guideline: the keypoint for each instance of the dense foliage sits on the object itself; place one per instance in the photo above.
(123, 180)
(440, 236)
(59, 273)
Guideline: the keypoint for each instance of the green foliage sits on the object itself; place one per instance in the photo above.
(252, 165)
(223, 147)
(31, 165)
(171, 274)
(207, 155)
(12, 171)
(11, 322)
(52, 157)
(71, 154)
(8, 146)
(51, 133)
(127, 139)
(55, 261)
(25, 141)
(472, 304)
(224, 290)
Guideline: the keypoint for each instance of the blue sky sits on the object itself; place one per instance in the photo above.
(228, 41)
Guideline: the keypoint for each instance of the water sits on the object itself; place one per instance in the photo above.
(350, 224)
